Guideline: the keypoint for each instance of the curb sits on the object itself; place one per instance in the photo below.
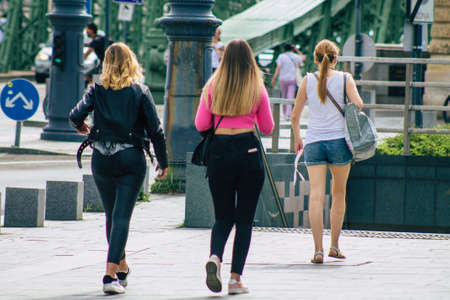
(18, 150)
(7, 77)
(34, 123)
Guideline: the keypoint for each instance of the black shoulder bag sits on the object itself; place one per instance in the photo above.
(200, 155)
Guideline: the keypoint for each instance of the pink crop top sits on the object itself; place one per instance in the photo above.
(262, 114)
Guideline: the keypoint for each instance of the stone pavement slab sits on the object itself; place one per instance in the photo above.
(66, 260)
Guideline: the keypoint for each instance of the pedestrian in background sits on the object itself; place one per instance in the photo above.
(98, 45)
(218, 48)
(287, 64)
(124, 113)
(324, 145)
(232, 100)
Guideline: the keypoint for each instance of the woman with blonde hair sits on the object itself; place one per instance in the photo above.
(124, 116)
(232, 100)
(324, 145)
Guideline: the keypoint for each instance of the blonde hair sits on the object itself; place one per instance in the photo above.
(324, 54)
(237, 82)
(120, 67)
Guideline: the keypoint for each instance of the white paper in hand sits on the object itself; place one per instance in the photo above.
(296, 171)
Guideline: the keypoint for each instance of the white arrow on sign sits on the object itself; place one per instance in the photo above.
(10, 103)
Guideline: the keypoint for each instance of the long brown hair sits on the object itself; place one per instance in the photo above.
(120, 67)
(237, 82)
(324, 54)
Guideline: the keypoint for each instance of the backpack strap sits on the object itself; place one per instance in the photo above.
(332, 98)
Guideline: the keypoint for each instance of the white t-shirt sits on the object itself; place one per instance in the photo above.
(215, 55)
(288, 62)
(325, 122)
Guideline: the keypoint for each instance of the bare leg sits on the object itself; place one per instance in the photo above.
(235, 285)
(123, 267)
(111, 269)
(235, 276)
(340, 176)
(317, 176)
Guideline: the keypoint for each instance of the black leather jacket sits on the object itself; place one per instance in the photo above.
(119, 114)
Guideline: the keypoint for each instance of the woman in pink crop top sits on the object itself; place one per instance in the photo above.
(233, 99)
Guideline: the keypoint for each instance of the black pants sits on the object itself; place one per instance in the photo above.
(236, 177)
(118, 178)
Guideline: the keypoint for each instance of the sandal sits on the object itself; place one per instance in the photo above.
(338, 252)
(315, 260)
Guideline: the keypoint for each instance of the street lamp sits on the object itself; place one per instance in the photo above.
(190, 26)
(68, 18)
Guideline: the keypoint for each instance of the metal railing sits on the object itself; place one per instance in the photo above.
(406, 108)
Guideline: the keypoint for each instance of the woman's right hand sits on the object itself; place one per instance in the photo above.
(84, 129)
(298, 145)
(162, 172)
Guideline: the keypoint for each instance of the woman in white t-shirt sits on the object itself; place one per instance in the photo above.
(287, 64)
(324, 145)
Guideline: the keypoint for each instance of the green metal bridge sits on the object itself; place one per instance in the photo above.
(271, 23)
(265, 24)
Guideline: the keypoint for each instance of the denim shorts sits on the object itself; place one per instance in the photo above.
(331, 152)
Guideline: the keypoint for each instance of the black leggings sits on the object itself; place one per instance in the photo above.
(235, 168)
(118, 178)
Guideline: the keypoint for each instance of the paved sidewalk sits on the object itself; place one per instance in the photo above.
(66, 259)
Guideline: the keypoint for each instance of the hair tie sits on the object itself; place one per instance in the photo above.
(319, 58)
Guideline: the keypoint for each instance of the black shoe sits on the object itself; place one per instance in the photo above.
(122, 276)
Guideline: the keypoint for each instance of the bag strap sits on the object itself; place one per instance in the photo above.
(332, 98)
(220, 120)
(345, 88)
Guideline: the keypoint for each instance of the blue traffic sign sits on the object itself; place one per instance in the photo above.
(88, 6)
(129, 1)
(19, 99)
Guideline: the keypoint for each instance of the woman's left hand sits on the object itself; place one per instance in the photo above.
(84, 129)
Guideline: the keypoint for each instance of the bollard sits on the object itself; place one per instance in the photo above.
(64, 200)
(24, 207)
(92, 201)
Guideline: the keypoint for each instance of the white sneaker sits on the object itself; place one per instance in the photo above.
(236, 287)
(213, 280)
(112, 286)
